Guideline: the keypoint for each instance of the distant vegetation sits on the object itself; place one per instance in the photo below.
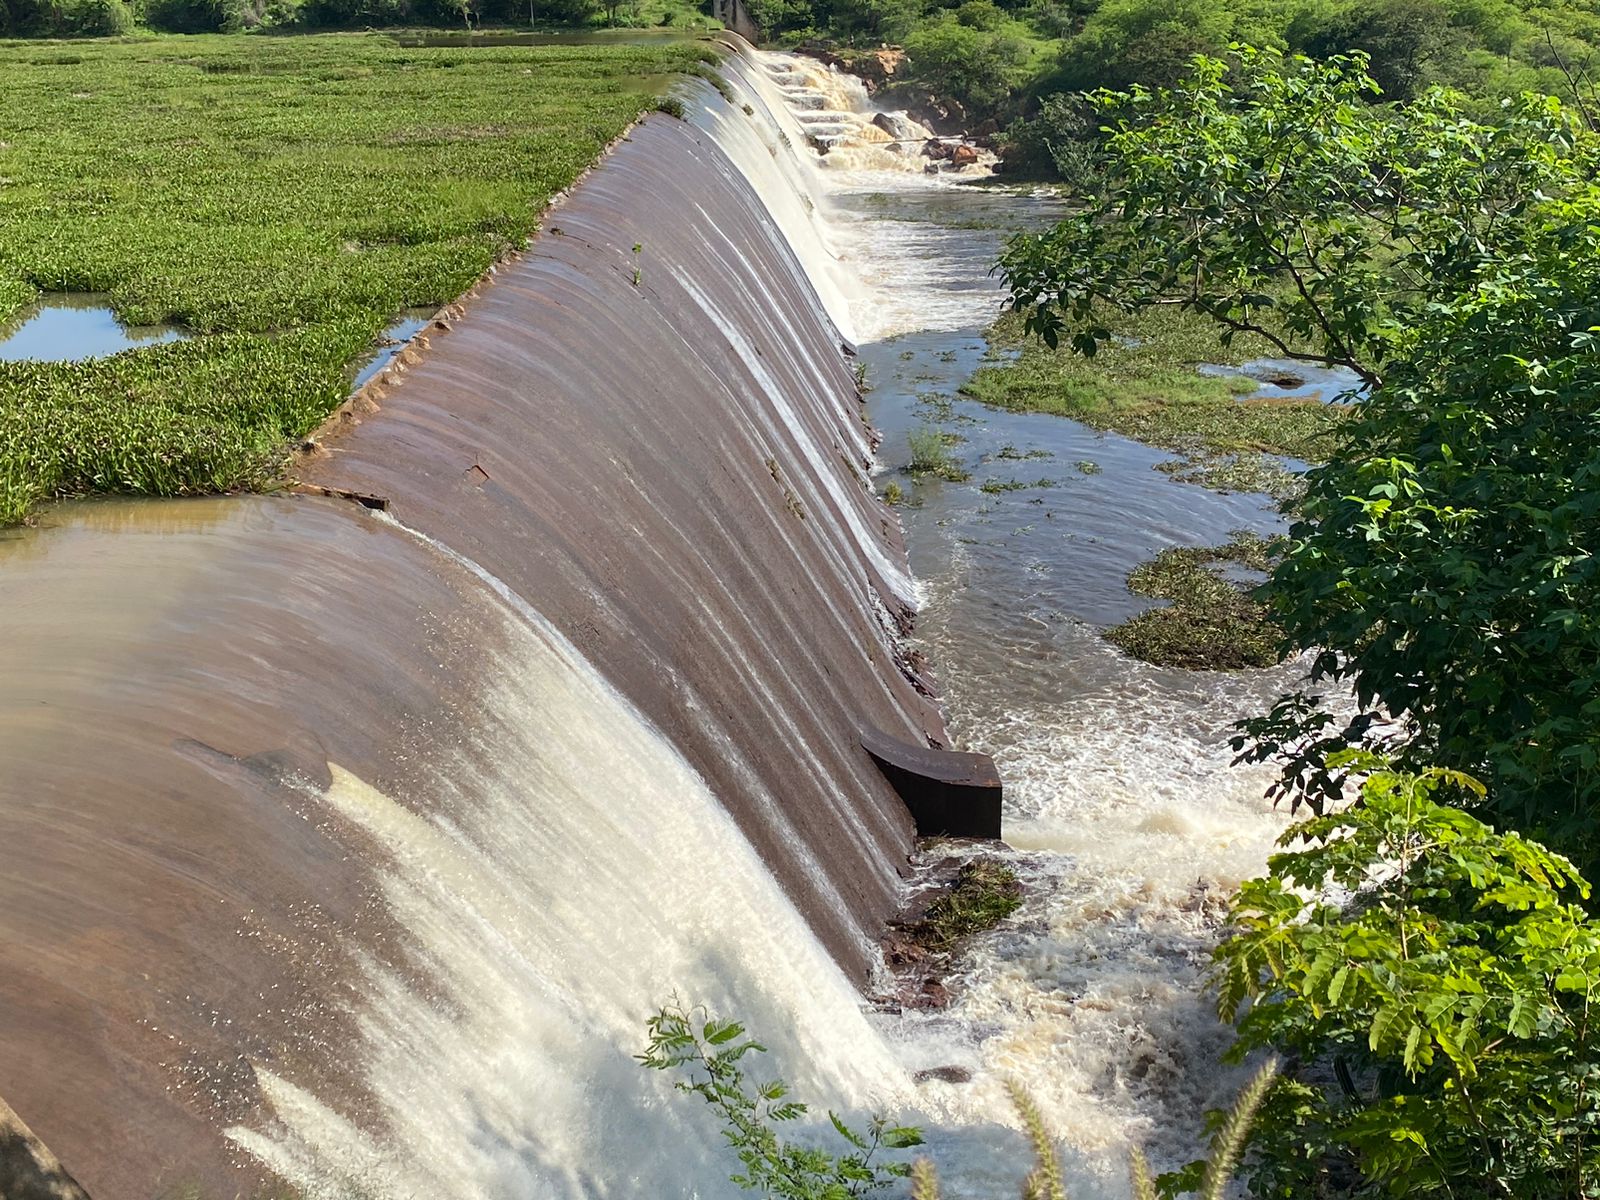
(1019, 61)
(281, 198)
(112, 18)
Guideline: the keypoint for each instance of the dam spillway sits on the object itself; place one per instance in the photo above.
(353, 847)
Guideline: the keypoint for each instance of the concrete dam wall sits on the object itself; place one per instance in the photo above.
(352, 847)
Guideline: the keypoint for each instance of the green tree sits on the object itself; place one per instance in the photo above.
(1406, 41)
(1451, 990)
(1441, 564)
(1145, 42)
(977, 68)
(96, 18)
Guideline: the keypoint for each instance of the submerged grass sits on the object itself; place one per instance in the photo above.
(1146, 385)
(984, 893)
(1211, 622)
(930, 454)
(281, 197)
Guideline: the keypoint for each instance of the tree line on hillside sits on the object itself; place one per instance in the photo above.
(115, 18)
(1021, 60)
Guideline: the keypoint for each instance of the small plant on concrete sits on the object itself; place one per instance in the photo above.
(984, 894)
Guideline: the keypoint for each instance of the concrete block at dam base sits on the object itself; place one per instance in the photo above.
(28, 1171)
(949, 793)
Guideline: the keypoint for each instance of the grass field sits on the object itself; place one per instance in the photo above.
(282, 198)
(1146, 385)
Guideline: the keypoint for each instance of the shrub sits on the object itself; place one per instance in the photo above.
(96, 18)
(975, 68)
(930, 454)
(1406, 40)
(25, 18)
(980, 14)
(1147, 42)
(1061, 139)
(1449, 991)
(711, 1051)
(193, 16)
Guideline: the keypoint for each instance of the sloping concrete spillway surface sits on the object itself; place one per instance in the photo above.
(354, 847)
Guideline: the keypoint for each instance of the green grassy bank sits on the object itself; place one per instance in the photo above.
(1147, 385)
(281, 198)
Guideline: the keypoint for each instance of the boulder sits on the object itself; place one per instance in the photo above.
(963, 156)
(944, 1075)
(874, 68)
(906, 132)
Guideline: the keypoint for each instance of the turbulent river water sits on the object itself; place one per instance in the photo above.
(1123, 810)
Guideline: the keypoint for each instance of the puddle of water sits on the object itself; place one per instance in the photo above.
(395, 336)
(1284, 379)
(72, 326)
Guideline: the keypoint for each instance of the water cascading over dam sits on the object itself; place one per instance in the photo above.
(352, 847)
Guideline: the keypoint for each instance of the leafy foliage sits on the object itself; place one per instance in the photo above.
(1444, 559)
(712, 1051)
(974, 66)
(1268, 194)
(96, 18)
(1451, 989)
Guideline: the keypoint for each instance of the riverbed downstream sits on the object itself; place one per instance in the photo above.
(1124, 814)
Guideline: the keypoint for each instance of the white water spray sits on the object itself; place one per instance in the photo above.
(565, 874)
